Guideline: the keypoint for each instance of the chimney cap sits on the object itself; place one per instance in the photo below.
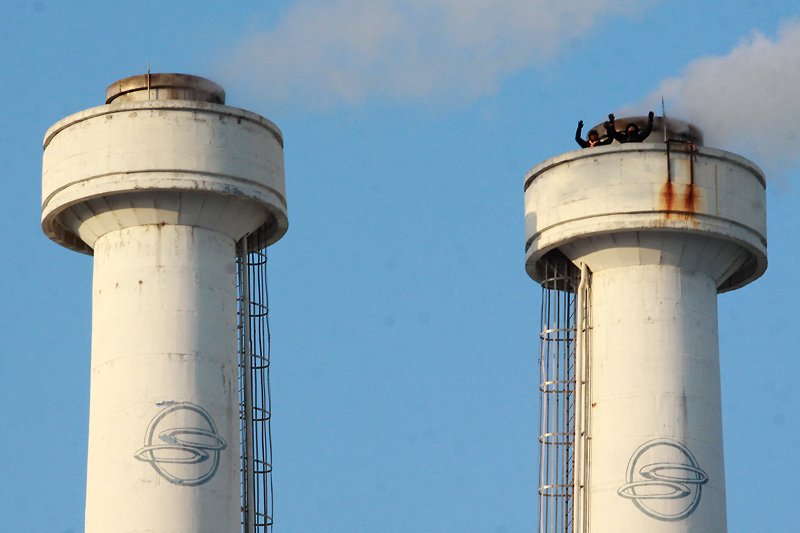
(165, 86)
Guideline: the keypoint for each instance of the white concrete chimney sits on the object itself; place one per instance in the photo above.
(658, 229)
(158, 185)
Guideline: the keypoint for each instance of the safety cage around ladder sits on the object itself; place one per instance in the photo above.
(254, 395)
(557, 394)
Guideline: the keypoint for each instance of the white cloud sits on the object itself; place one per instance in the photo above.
(323, 53)
(747, 101)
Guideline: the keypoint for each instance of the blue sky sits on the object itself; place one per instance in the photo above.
(404, 327)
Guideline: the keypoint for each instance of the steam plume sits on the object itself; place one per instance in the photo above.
(323, 53)
(747, 101)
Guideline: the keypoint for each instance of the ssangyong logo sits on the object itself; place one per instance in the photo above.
(182, 445)
(664, 480)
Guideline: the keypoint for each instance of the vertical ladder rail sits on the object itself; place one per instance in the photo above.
(247, 389)
(582, 410)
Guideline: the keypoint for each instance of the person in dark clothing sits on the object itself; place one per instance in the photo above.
(593, 138)
(632, 134)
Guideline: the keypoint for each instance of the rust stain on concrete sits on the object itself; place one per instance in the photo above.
(667, 198)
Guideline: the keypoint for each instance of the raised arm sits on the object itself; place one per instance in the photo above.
(578, 139)
(645, 133)
(613, 130)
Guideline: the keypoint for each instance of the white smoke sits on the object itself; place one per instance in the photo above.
(747, 101)
(322, 53)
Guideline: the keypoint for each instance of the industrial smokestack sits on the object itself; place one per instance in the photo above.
(160, 184)
(632, 242)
